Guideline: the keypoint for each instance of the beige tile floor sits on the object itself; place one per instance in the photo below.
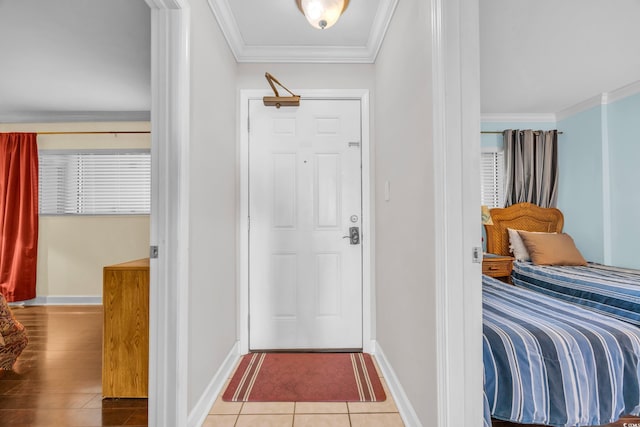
(305, 414)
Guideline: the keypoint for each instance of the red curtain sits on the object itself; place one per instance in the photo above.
(18, 215)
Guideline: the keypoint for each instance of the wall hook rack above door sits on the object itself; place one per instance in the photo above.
(277, 100)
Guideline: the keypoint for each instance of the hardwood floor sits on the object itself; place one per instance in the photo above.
(57, 379)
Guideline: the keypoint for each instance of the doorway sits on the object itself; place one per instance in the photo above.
(305, 211)
(305, 228)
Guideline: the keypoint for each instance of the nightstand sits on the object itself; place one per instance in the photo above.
(497, 266)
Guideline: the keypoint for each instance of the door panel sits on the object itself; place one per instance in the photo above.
(305, 279)
(284, 190)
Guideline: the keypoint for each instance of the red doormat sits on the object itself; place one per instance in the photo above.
(305, 377)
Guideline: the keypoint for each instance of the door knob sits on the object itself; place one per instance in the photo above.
(354, 236)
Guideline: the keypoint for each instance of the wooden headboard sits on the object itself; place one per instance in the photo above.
(521, 216)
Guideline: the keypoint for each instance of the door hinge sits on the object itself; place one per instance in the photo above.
(153, 252)
(248, 125)
(354, 144)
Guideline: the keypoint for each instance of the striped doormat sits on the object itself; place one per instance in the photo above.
(305, 377)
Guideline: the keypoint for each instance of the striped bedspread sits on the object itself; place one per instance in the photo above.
(608, 290)
(549, 362)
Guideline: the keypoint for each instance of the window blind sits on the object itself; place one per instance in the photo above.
(492, 179)
(99, 182)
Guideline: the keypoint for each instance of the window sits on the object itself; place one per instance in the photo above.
(97, 182)
(492, 171)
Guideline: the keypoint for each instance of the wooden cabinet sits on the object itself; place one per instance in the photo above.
(125, 348)
(497, 266)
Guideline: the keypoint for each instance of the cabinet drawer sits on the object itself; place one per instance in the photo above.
(497, 268)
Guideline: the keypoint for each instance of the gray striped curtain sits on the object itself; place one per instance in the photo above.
(531, 159)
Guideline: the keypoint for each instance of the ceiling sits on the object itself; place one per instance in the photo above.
(74, 60)
(276, 31)
(80, 59)
(543, 56)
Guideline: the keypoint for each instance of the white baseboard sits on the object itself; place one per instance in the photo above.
(408, 414)
(61, 300)
(200, 411)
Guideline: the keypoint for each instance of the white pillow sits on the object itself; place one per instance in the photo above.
(517, 247)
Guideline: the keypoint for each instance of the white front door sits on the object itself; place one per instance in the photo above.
(305, 277)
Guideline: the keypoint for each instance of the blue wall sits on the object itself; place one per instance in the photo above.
(624, 153)
(580, 186)
(598, 195)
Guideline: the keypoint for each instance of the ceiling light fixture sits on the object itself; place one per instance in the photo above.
(322, 14)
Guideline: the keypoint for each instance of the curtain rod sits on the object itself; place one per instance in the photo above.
(501, 132)
(92, 132)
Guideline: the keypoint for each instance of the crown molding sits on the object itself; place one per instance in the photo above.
(380, 25)
(518, 118)
(624, 92)
(306, 54)
(587, 104)
(167, 4)
(303, 54)
(227, 22)
(74, 116)
(599, 100)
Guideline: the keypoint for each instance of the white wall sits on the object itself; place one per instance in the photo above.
(307, 76)
(405, 240)
(212, 202)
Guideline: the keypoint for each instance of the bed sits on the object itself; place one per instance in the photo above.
(550, 362)
(608, 290)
